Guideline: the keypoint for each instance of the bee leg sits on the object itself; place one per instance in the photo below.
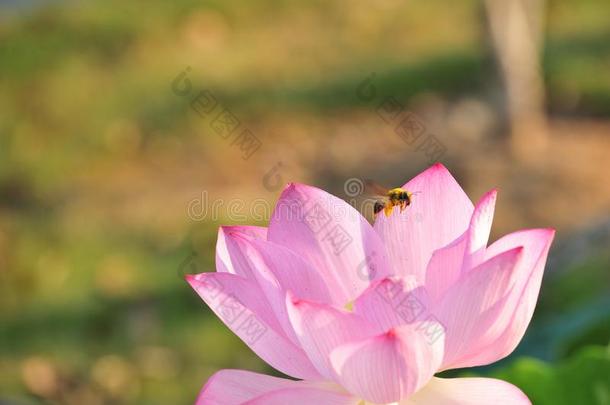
(388, 210)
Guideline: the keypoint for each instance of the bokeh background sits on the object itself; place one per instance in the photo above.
(108, 173)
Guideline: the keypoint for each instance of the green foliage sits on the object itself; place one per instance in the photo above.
(584, 378)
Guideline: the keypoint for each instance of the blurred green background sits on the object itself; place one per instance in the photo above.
(101, 164)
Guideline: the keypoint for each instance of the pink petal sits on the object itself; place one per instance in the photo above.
(472, 306)
(290, 270)
(228, 387)
(448, 263)
(479, 229)
(321, 328)
(233, 387)
(388, 367)
(239, 303)
(445, 267)
(468, 391)
(278, 270)
(519, 307)
(392, 302)
(332, 236)
(304, 396)
(439, 213)
(229, 258)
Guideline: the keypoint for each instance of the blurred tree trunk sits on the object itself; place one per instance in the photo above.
(517, 29)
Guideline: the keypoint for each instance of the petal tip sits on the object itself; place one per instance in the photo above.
(303, 303)
(292, 188)
(299, 302)
(551, 232)
(228, 228)
(234, 232)
(436, 169)
(489, 197)
(198, 279)
(516, 251)
(195, 280)
(295, 186)
(390, 334)
(293, 299)
(240, 236)
(288, 189)
(548, 233)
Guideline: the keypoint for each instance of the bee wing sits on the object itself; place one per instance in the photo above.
(374, 188)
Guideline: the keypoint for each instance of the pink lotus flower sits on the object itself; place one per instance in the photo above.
(367, 314)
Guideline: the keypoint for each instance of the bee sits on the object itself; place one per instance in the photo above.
(393, 197)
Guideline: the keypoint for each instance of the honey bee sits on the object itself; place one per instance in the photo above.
(393, 197)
